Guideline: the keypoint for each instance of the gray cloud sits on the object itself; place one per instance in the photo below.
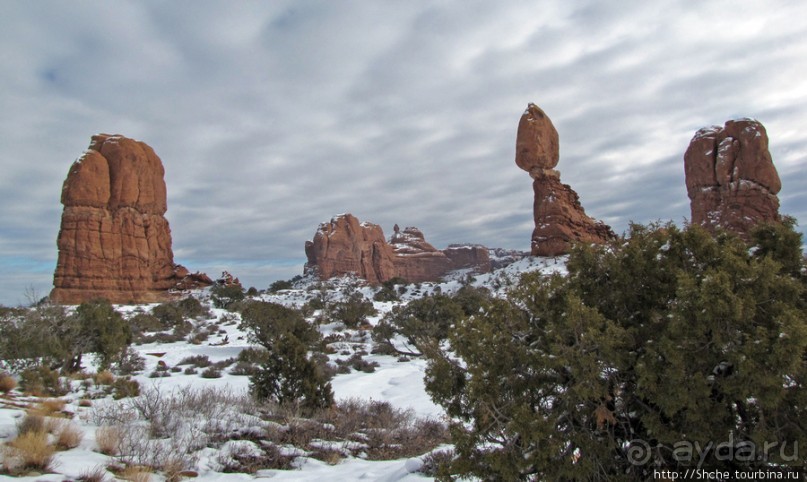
(272, 117)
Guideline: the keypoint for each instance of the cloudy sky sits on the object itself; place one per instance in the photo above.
(271, 117)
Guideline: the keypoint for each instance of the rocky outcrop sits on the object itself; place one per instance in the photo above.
(346, 246)
(730, 177)
(114, 241)
(560, 219)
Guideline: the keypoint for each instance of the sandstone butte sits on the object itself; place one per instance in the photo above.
(346, 246)
(730, 177)
(560, 219)
(114, 241)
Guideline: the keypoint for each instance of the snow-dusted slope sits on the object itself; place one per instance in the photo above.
(398, 381)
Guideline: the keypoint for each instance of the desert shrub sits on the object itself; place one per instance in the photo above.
(104, 377)
(211, 372)
(243, 369)
(130, 362)
(68, 435)
(352, 311)
(286, 375)
(166, 429)
(252, 355)
(437, 464)
(199, 361)
(289, 377)
(223, 296)
(191, 307)
(422, 321)
(280, 285)
(144, 323)
(103, 331)
(358, 363)
(176, 313)
(266, 321)
(28, 452)
(48, 407)
(385, 432)
(471, 299)
(125, 388)
(662, 337)
(31, 423)
(387, 291)
(198, 336)
(136, 473)
(7, 382)
(42, 381)
(44, 335)
(244, 456)
(108, 439)
(95, 474)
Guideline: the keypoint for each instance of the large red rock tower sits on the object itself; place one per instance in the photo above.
(114, 241)
(731, 180)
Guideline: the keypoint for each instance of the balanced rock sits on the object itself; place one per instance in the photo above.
(537, 144)
(346, 246)
(730, 177)
(114, 241)
(560, 219)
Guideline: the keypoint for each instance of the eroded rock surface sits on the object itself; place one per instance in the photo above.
(730, 177)
(344, 246)
(114, 241)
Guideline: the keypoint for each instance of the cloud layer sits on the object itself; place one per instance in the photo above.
(271, 117)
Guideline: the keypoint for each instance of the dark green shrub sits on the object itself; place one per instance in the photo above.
(103, 331)
(353, 311)
(665, 337)
(145, 323)
(280, 285)
(225, 295)
(422, 321)
(286, 375)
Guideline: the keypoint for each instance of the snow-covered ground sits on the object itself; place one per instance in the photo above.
(396, 381)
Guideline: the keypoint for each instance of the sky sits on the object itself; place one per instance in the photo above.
(272, 117)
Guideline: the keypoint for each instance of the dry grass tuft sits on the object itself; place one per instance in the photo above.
(136, 473)
(96, 474)
(104, 377)
(7, 383)
(31, 423)
(108, 439)
(68, 435)
(29, 451)
(52, 407)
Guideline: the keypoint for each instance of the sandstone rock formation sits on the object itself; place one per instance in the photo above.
(730, 177)
(344, 245)
(559, 217)
(114, 241)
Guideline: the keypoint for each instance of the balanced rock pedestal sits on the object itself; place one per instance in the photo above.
(114, 241)
(559, 217)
